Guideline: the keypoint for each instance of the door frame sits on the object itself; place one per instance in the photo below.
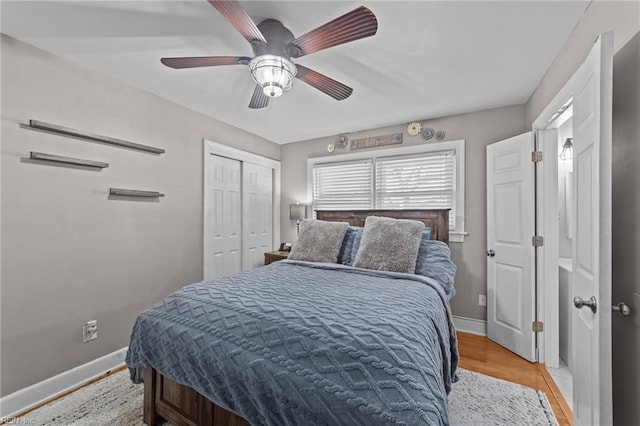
(548, 302)
(546, 225)
(547, 264)
(600, 56)
(215, 148)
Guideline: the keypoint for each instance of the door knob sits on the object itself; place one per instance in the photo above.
(622, 308)
(491, 253)
(579, 303)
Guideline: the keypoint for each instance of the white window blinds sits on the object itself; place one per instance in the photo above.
(429, 176)
(425, 180)
(346, 185)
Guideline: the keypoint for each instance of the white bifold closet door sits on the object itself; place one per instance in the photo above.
(226, 212)
(257, 214)
(241, 209)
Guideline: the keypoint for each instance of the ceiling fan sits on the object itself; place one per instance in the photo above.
(274, 45)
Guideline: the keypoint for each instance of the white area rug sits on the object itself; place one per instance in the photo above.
(475, 400)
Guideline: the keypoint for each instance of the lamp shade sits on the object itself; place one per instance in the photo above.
(297, 211)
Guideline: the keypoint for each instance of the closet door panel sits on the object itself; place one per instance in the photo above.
(257, 214)
(223, 254)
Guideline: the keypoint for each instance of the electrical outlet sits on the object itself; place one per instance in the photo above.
(90, 331)
(482, 300)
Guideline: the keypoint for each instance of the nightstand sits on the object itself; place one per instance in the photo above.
(274, 256)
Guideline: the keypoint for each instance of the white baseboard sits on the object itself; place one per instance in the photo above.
(29, 397)
(470, 325)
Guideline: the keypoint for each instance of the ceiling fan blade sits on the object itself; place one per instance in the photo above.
(238, 17)
(259, 99)
(204, 61)
(331, 87)
(357, 24)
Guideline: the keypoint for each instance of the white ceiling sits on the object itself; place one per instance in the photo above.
(428, 59)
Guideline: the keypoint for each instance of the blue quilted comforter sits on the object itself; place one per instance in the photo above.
(297, 343)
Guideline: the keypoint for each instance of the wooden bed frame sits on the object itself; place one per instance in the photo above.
(165, 399)
(437, 220)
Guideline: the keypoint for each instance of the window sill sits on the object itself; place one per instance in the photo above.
(457, 237)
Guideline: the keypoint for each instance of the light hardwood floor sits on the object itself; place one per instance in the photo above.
(477, 353)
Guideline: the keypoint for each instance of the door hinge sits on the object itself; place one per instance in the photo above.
(537, 156)
(537, 241)
(537, 326)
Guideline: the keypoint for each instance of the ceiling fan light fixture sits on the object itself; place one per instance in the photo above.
(275, 74)
(273, 44)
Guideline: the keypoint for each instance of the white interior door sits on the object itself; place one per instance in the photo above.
(592, 100)
(257, 214)
(223, 254)
(510, 254)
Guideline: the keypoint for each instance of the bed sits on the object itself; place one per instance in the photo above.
(301, 343)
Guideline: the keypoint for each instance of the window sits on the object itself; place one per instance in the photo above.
(343, 185)
(417, 181)
(430, 177)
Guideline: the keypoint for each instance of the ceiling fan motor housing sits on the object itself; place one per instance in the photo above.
(278, 38)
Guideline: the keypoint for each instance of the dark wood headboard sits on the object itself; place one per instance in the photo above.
(437, 220)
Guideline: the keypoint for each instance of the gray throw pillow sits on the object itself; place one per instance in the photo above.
(434, 261)
(319, 241)
(389, 244)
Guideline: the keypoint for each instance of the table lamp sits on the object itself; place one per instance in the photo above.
(297, 212)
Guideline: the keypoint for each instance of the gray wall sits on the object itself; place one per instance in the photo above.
(478, 129)
(622, 17)
(70, 254)
(626, 232)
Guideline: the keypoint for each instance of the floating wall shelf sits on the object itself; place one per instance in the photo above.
(134, 193)
(41, 125)
(67, 160)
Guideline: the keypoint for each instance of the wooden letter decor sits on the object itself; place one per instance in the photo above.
(375, 141)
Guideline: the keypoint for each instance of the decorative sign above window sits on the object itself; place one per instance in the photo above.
(393, 139)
